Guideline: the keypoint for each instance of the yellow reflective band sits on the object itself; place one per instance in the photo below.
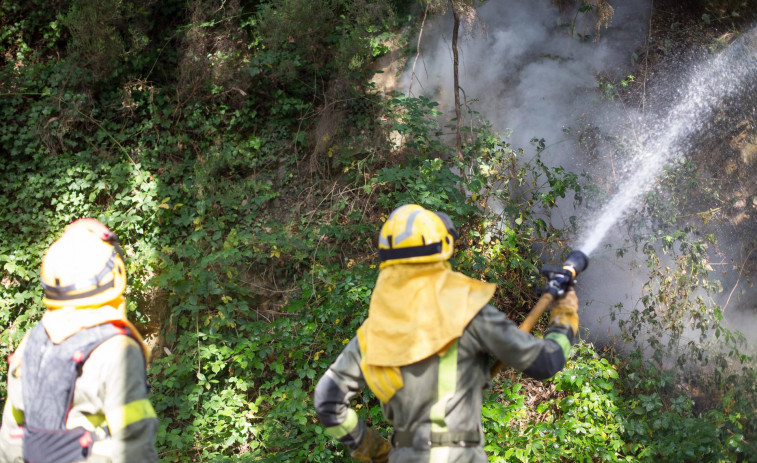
(383, 381)
(18, 415)
(563, 341)
(337, 432)
(130, 413)
(96, 420)
(447, 384)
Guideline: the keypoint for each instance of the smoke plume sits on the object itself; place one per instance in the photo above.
(535, 71)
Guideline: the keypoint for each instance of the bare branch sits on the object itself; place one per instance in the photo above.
(418, 52)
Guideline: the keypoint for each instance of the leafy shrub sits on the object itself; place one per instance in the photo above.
(250, 267)
(581, 422)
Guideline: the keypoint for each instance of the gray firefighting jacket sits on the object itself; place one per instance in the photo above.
(437, 413)
(109, 399)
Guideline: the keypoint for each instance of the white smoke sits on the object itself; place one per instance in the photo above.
(528, 73)
(531, 77)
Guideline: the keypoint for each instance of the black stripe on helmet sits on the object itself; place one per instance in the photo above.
(64, 293)
(412, 251)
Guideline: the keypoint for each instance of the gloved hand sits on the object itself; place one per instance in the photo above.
(565, 311)
(373, 448)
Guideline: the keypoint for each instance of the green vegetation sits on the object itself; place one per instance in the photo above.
(246, 162)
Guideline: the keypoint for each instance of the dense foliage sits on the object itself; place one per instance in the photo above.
(239, 151)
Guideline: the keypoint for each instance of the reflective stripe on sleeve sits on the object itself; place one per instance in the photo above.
(345, 428)
(562, 340)
(128, 414)
(18, 415)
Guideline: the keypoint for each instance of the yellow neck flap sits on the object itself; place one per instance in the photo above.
(63, 323)
(417, 310)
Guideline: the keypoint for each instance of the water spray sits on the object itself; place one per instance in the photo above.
(559, 281)
(730, 73)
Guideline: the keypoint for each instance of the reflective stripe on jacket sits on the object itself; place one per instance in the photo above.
(442, 393)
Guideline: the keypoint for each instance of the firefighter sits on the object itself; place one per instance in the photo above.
(77, 387)
(426, 348)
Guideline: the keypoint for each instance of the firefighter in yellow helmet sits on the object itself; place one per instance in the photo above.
(426, 348)
(77, 387)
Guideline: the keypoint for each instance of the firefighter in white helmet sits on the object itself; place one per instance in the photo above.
(426, 349)
(77, 387)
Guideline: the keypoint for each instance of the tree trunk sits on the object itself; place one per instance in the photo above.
(458, 115)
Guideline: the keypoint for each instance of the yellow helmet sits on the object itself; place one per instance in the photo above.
(414, 235)
(84, 267)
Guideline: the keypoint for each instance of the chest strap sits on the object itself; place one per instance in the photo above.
(439, 439)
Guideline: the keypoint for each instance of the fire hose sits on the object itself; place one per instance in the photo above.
(559, 281)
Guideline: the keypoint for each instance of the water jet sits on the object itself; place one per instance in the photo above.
(668, 137)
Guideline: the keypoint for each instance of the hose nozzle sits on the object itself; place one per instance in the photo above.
(576, 262)
(560, 279)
